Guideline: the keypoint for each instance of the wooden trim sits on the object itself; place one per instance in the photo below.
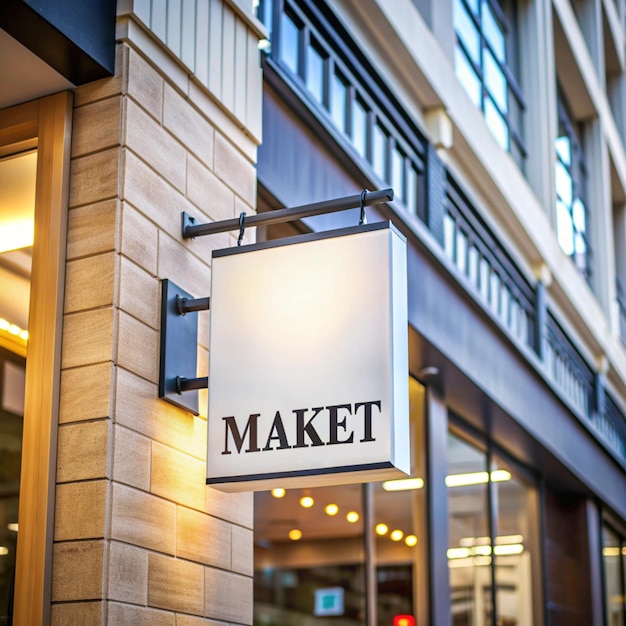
(36, 508)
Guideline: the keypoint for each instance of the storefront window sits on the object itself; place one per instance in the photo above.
(493, 538)
(311, 557)
(469, 554)
(614, 560)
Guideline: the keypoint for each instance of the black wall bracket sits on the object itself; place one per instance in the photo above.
(178, 383)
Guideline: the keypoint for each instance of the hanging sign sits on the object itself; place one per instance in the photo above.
(308, 361)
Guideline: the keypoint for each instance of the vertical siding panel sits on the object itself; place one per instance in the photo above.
(174, 10)
(215, 48)
(202, 42)
(255, 87)
(158, 19)
(241, 70)
(142, 11)
(228, 59)
(188, 44)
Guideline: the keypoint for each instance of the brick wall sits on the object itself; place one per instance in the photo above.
(139, 538)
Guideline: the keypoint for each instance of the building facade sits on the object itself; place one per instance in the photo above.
(499, 124)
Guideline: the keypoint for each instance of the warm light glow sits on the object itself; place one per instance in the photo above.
(14, 329)
(3, 551)
(458, 553)
(13, 334)
(381, 529)
(307, 502)
(295, 534)
(611, 551)
(396, 535)
(12, 526)
(477, 478)
(17, 234)
(331, 509)
(4, 325)
(23, 335)
(352, 517)
(485, 541)
(482, 550)
(410, 540)
(278, 493)
(403, 484)
(504, 539)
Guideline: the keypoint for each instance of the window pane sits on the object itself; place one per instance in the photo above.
(338, 99)
(296, 553)
(467, 77)
(466, 31)
(564, 228)
(579, 215)
(612, 556)
(315, 73)
(493, 33)
(472, 270)
(468, 557)
(563, 183)
(359, 127)
(485, 273)
(494, 292)
(289, 43)
(379, 152)
(515, 536)
(411, 190)
(397, 173)
(495, 81)
(564, 149)
(496, 124)
(448, 235)
(461, 251)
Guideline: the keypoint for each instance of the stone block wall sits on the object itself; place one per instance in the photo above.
(139, 538)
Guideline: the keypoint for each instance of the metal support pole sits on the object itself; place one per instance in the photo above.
(188, 384)
(191, 229)
(189, 305)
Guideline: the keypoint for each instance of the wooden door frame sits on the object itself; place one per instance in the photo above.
(45, 124)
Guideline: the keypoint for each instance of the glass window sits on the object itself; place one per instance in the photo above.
(448, 235)
(315, 72)
(483, 68)
(379, 151)
(397, 173)
(411, 190)
(469, 552)
(338, 101)
(492, 558)
(614, 561)
(359, 127)
(289, 42)
(570, 182)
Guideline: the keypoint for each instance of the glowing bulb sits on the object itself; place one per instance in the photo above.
(331, 509)
(381, 529)
(14, 329)
(410, 540)
(352, 517)
(295, 534)
(307, 502)
(278, 493)
(24, 335)
(4, 325)
(396, 535)
(12, 526)
(404, 484)
(3, 551)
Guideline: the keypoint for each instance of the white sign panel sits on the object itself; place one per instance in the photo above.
(308, 365)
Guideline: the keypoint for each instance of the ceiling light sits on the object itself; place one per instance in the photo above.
(506, 550)
(295, 534)
(477, 478)
(403, 484)
(12, 526)
(352, 517)
(3, 551)
(458, 553)
(410, 540)
(331, 509)
(278, 493)
(381, 529)
(396, 535)
(307, 502)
